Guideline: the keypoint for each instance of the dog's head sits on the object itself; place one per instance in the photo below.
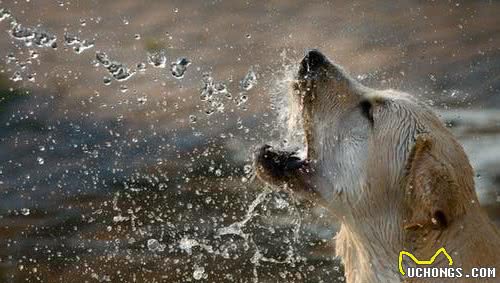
(370, 152)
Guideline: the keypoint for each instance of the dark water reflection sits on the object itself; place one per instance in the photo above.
(98, 184)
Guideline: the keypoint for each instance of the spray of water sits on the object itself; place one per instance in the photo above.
(214, 95)
(290, 130)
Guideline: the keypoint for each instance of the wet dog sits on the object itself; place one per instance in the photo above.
(388, 169)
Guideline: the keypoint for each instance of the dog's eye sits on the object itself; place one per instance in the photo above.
(367, 109)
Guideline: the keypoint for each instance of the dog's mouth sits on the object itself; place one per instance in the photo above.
(277, 162)
(277, 166)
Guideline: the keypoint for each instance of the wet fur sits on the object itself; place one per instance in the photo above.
(391, 173)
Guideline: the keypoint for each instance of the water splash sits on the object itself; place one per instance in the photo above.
(157, 59)
(31, 36)
(249, 81)
(212, 93)
(179, 67)
(10, 58)
(16, 77)
(242, 99)
(199, 273)
(33, 54)
(155, 246)
(40, 160)
(78, 44)
(25, 211)
(119, 71)
(291, 132)
(186, 244)
(235, 228)
(141, 67)
(4, 14)
(215, 94)
(106, 80)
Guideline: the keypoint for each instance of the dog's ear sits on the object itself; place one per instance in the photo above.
(431, 187)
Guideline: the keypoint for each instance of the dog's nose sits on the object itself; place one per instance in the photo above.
(312, 61)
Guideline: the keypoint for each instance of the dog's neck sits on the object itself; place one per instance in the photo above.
(370, 247)
(368, 253)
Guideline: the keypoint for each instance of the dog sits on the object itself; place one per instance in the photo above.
(390, 172)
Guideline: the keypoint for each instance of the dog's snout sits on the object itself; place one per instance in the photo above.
(315, 58)
(313, 61)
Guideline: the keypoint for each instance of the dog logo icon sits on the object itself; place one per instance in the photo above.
(422, 262)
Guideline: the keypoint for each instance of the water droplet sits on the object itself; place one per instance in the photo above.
(187, 244)
(16, 77)
(179, 67)
(142, 100)
(220, 88)
(34, 54)
(207, 90)
(119, 71)
(102, 58)
(83, 22)
(209, 112)
(32, 36)
(210, 94)
(21, 33)
(247, 169)
(199, 272)
(157, 59)
(106, 80)
(40, 160)
(155, 246)
(137, 36)
(31, 77)
(4, 14)
(241, 100)
(362, 77)
(281, 203)
(78, 45)
(120, 218)
(248, 36)
(10, 58)
(249, 80)
(192, 119)
(141, 67)
(25, 211)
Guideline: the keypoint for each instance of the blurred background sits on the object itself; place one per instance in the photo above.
(122, 162)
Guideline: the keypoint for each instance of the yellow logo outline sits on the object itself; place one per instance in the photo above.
(423, 262)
